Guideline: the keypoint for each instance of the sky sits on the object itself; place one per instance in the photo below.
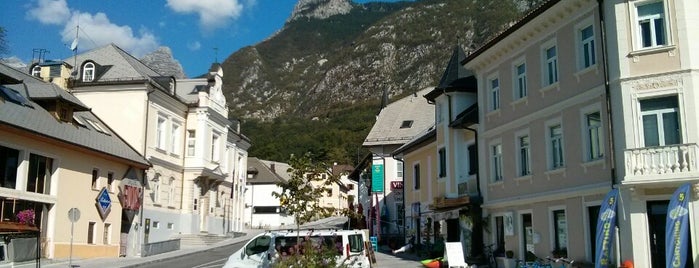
(199, 32)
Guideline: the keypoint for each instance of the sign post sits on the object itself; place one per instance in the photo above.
(73, 216)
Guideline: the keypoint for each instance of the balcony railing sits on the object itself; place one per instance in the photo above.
(673, 159)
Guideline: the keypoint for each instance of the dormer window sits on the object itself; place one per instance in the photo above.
(88, 72)
(407, 124)
(36, 71)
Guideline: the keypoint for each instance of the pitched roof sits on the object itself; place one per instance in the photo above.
(40, 90)
(117, 64)
(455, 77)
(389, 127)
(29, 116)
(267, 172)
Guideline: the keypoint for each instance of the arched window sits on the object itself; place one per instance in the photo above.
(36, 71)
(88, 72)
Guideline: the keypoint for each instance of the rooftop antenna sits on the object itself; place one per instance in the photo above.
(38, 54)
(74, 48)
(215, 54)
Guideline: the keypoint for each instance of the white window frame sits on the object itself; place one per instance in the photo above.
(399, 169)
(520, 161)
(215, 147)
(176, 138)
(519, 79)
(552, 230)
(493, 92)
(88, 72)
(581, 45)
(549, 64)
(160, 132)
(660, 124)
(651, 19)
(553, 142)
(495, 158)
(36, 71)
(191, 142)
(587, 130)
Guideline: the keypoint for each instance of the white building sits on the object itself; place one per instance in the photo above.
(262, 210)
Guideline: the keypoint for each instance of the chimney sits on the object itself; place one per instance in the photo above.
(271, 166)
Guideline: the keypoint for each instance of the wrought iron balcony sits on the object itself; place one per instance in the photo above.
(676, 160)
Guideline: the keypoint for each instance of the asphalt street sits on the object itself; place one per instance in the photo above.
(214, 257)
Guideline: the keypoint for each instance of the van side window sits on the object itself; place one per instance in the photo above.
(259, 245)
(355, 242)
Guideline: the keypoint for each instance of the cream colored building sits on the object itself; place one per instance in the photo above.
(543, 136)
(58, 156)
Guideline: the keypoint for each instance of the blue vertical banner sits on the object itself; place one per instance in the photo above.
(377, 177)
(606, 228)
(677, 228)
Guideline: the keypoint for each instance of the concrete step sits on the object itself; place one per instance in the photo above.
(199, 240)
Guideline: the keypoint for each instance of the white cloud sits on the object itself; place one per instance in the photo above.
(96, 30)
(212, 13)
(193, 46)
(50, 12)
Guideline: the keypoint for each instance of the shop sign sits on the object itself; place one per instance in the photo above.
(377, 177)
(104, 202)
(396, 185)
(130, 197)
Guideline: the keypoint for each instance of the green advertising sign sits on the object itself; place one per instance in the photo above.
(377, 178)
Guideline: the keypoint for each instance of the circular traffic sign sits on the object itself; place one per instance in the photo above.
(74, 214)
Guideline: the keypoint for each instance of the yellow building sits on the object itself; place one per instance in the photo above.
(57, 156)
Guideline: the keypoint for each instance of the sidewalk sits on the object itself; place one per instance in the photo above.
(400, 260)
(138, 261)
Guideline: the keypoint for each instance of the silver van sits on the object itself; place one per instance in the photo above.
(264, 249)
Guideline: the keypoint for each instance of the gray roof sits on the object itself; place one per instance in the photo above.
(116, 64)
(267, 172)
(33, 118)
(39, 88)
(188, 89)
(387, 129)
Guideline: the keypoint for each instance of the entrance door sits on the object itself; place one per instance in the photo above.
(657, 215)
(453, 230)
(527, 231)
(592, 217)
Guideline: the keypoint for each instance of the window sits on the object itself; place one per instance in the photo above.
(191, 140)
(496, 158)
(170, 226)
(195, 204)
(442, 162)
(521, 81)
(110, 181)
(494, 94)
(88, 72)
(406, 124)
(9, 161)
(39, 178)
(587, 47)
(560, 229)
(156, 192)
(593, 123)
(661, 122)
(399, 169)
(265, 210)
(215, 147)
(160, 132)
(551, 66)
(105, 235)
(91, 233)
(175, 142)
(556, 138)
(416, 176)
(95, 178)
(524, 165)
(96, 126)
(356, 243)
(651, 24)
(472, 159)
(329, 192)
(36, 71)
(156, 224)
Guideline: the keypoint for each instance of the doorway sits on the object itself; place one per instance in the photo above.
(657, 219)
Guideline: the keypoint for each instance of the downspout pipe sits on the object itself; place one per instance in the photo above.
(607, 93)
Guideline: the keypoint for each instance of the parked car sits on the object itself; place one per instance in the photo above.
(264, 249)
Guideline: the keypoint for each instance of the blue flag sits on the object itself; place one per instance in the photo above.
(606, 227)
(676, 228)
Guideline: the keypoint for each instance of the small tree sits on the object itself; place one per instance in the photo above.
(300, 198)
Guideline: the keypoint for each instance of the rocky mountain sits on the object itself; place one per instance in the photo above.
(334, 58)
(161, 61)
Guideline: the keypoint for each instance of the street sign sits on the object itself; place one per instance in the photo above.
(74, 214)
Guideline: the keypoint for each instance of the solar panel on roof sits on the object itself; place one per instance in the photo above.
(14, 96)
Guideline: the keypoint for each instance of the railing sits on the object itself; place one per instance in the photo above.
(672, 159)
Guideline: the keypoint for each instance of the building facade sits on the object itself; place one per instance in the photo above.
(262, 209)
(70, 169)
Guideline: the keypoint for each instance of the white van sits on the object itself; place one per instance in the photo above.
(260, 251)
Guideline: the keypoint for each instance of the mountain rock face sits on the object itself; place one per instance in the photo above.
(161, 61)
(320, 9)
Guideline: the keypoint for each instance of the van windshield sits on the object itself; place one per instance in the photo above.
(288, 245)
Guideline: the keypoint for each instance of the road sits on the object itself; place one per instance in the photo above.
(214, 257)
